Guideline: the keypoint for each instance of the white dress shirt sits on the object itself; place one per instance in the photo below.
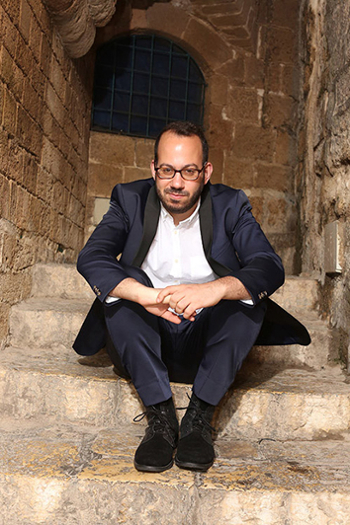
(176, 255)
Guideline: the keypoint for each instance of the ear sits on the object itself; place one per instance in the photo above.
(208, 170)
(152, 170)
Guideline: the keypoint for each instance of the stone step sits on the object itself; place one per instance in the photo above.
(285, 404)
(63, 280)
(71, 476)
(43, 322)
(318, 355)
(59, 280)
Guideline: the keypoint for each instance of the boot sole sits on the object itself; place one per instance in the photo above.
(202, 467)
(152, 468)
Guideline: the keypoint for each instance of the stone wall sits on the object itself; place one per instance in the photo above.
(325, 154)
(44, 130)
(248, 52)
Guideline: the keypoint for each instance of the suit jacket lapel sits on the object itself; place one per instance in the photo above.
(206, 225)
(150, 224)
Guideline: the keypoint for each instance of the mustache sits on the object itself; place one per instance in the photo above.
(176, 191)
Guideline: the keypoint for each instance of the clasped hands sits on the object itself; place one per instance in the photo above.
(184, 299)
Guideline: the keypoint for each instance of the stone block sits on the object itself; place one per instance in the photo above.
(103, 178)
(16, 157)
(35, 39)
(219, 8)
(4, 323)
(286, 14)
(38, 80)
(131, 174)
(282, 45)
(254, 72)
(253, 142)
(276, 216)
(244, 105)
(51, 158)
(166, 18)
(274, 176)
(23, 212)
(280, 111)
(9, 34)
(8, 241)
(5, 207)
(218, 89)
(11, 74)
(4, 151)
(32, 101)
(109, 148)
(58, 81)
(30, 173)
(9, 115)
(15, 286)
(25, 20)
(216, 157)
(220, 130)
(24, 125)
(233, 69)
(207, 43)
(144, 152)
(290, 81)
(55, 105)
(257, 208)
(25, 58)
(285, 149)
(238, 173)
(46, 57)
(25, 254)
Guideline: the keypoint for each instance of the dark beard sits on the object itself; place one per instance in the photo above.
(176, 208)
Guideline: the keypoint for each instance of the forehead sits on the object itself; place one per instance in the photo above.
(179, 147)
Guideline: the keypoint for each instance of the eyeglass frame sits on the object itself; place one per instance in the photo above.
(179, 171)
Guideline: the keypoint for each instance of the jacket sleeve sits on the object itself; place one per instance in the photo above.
(97, 262)
(261, 269)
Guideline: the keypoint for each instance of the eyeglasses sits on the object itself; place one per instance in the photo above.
(187, 173)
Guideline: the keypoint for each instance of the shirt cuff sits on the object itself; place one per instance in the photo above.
(110, 300)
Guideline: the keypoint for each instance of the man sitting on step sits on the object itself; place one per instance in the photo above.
(187, 300)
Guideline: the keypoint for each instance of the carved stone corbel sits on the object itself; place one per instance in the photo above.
(76, 22)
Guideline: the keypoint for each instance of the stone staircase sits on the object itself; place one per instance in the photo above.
(67, 438)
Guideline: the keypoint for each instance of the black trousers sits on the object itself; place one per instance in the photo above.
(207, 352)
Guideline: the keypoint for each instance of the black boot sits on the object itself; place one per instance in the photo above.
(155, 452)
(195, 450)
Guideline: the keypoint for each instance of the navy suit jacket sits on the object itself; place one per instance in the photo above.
(233, 242)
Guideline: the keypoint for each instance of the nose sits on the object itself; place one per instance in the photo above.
(177, 181)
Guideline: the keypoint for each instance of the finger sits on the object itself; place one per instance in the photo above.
(169, 316)
(166, 292)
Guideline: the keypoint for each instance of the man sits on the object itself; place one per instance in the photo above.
(188, 297)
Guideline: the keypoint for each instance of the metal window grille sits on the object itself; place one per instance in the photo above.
(143, 82)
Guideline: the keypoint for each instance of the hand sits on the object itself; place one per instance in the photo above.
(132, 290)
(187, 298)
(148, 299)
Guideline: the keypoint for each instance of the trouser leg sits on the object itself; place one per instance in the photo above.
(135, 334)
(231, 331)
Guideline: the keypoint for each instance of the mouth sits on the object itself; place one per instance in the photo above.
(175, 195)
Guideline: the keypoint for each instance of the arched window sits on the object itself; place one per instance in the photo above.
(143, 82)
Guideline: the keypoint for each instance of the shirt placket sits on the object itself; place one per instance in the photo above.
(177, 261)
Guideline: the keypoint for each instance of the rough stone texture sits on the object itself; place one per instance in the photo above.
(76, 22)
(69, 475)
(324, 153)
(44, 127)
(67, 441)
